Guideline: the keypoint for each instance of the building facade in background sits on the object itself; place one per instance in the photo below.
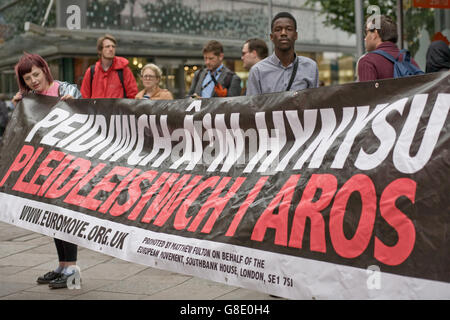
(169, 33)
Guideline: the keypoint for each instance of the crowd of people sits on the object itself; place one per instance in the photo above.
(283, 70)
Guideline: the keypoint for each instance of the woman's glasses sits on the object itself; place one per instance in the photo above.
(148, 77)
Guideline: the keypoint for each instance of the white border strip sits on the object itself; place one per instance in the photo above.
(283, 275)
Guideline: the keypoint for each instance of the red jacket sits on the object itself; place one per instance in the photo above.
(107, 84)
(372, 66)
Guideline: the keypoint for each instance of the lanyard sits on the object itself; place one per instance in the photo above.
(213, 76)
(294, 72)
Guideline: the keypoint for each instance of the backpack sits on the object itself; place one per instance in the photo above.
(402, 68)
(226, 80)
(222, 91)
(119, 72)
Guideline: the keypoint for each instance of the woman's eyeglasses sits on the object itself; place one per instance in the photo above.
(148, 77)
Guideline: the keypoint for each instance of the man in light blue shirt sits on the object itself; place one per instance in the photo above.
(215, 80)
(208, 83)
(283, 70)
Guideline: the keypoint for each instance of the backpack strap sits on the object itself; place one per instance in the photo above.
(92, 68)
(406, 55)
(119, 73)
(227, 80)
(196, 78)
(385, 54)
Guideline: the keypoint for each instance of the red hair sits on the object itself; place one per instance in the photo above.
(25, 64)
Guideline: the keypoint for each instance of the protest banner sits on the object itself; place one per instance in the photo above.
(337, 192)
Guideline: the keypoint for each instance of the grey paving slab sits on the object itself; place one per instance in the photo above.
(26, 295)
(26, 259)
(86, 286)
(11, 233)
(28, 237)
(116, 260)
(84, 253)
(84, 264)
(47, 266)
(9, 270)
(38, 241)
(9, 226)
(103, 295)
(193, 289)
(112, 271)
(86, 258)
(8, 288)
(7, 248)
(145, 285)
(44, 248)
(149, 271)
(27, 276)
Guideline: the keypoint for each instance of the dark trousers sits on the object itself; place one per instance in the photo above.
(67, 252)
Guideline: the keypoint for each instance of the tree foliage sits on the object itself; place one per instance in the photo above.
(340, 14)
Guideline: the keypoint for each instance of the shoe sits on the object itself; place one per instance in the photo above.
(61, 281)
(49, 276)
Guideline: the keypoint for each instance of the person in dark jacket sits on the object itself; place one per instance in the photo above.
(215, 80)
(438, 57)
(4, 118)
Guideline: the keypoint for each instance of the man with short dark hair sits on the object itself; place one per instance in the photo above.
(110, 77)
(215, 80)
(253, 51)
(381, 34)
(283, 70)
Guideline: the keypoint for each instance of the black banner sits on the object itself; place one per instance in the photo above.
(352, 175)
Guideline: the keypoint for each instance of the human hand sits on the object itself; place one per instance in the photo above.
(67, 97)
(17, 98)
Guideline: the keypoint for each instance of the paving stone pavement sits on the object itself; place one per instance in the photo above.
(25, 255)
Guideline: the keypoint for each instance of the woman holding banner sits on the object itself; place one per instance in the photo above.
(34, 76)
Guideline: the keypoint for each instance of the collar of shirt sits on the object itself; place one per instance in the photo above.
(274, 59)
(217, 71)
(387, 45)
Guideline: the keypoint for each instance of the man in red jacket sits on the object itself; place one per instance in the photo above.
(112, 78)
(381, 34)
